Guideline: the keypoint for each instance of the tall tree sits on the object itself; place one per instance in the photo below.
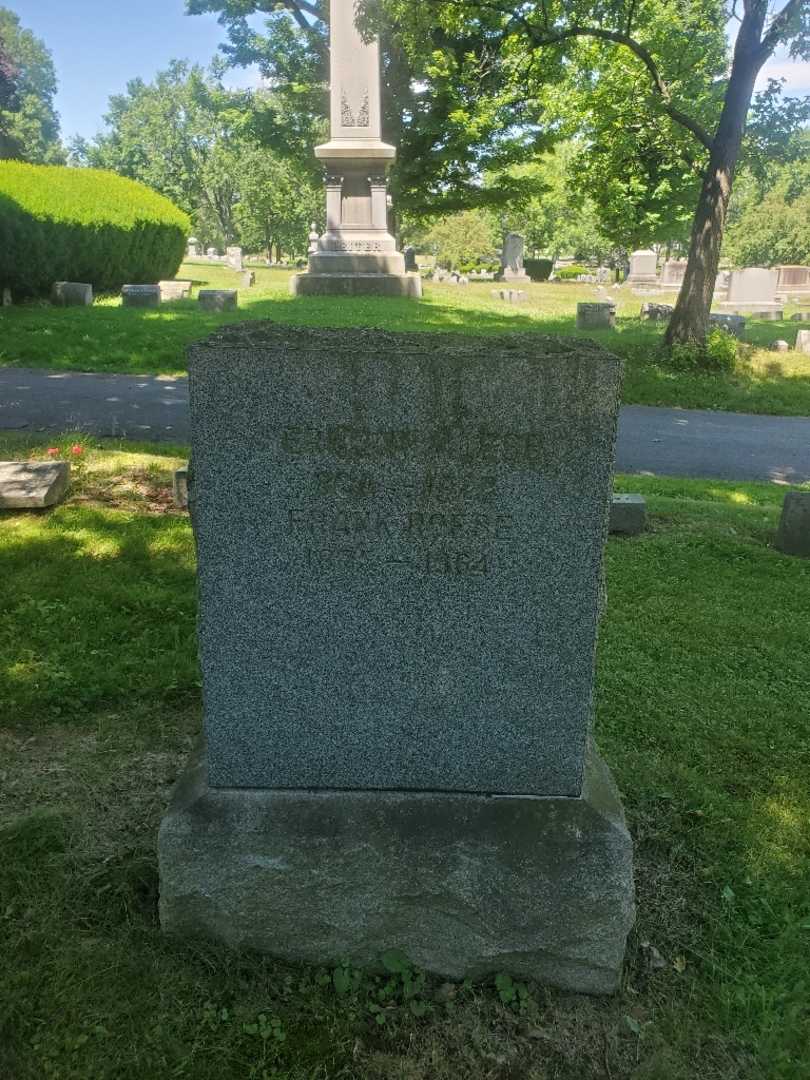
(189, 138)
(29, 123)
(673, 55)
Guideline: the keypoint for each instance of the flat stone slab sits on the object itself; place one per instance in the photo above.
(628, 514)
(32, 485)
(793, 536)
(464, 885)
(400, 542)
(142, 296)
(218, 299)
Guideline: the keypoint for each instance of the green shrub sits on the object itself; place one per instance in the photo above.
(60, 224)
(571, 273)
(538, 269)
(718, 355)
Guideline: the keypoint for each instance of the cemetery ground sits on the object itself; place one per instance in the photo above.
(703, 700)
(109, 338)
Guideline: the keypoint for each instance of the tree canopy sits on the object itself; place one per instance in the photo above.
(29, 123)
(199, 144)
(452, 103)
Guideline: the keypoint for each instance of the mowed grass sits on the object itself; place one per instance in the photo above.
(109, 338)
(703, 700)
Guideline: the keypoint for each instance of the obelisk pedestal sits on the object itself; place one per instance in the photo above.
(356, 255)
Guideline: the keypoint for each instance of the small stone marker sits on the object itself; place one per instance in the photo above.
(142, 296)
(400, 542)
(643, 268)
(803, 342)
(180, 487)
(247, 279)
(71, 294)
(596, 316)
(800, 316)
(32, 485)
(410, 260)
(7, 299)
(218, 299)
(628, 514)
(233, 257)
(656, 312)
(793, 536)
(174, 290)
(511, 296)
(780, 346)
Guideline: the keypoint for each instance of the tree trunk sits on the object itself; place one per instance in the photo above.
(690, 320)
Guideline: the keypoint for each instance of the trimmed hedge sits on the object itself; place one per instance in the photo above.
(571, 273)
(538, 269)
(62, 224)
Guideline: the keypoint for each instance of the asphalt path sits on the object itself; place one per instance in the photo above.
(666, 442)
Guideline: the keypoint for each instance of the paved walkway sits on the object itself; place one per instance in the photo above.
(670, 442)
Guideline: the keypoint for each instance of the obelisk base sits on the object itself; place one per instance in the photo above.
(464, 885)
(404, 285)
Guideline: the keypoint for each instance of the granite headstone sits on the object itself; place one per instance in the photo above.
(400, 542)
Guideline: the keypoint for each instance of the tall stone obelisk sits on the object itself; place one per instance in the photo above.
(357, 255)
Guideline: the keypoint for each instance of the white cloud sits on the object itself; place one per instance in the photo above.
(795, 72)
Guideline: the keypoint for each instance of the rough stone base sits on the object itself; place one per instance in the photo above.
(754, 310)
(407, 285)
(465, 885)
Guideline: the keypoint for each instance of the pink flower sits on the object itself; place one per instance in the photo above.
(76, 450)
(53, 451)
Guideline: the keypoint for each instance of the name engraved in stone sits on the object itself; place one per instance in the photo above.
(460, 444)
(374, 526)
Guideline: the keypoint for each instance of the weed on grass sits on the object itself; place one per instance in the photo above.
(702, 713)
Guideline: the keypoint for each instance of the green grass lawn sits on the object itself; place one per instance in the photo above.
(107, 337)
(703, 705)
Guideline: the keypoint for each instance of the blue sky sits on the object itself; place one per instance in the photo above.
(98, 45)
